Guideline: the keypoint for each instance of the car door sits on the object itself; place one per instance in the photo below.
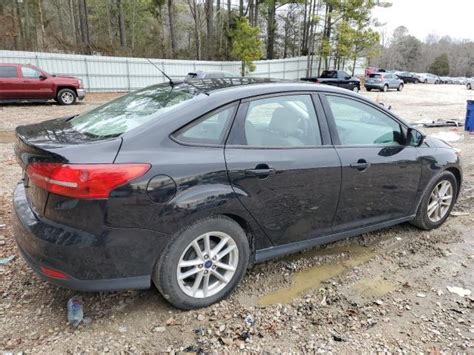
(9, 82)
(279, 158)
(380, 173)
(34, 85)
(345, 80)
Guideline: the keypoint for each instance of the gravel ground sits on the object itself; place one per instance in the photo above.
(382, 291)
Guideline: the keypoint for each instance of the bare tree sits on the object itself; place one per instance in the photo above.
(122, 29)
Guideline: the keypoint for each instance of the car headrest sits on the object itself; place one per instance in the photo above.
(283, 121)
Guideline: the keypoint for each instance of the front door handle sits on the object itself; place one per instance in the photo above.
(361, 165)
(261, 171)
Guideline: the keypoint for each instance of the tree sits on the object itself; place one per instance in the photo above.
(245, 44)
(440, 65)
(84, 26)
(122, 29)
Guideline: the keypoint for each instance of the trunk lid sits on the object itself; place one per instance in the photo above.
(55, 141)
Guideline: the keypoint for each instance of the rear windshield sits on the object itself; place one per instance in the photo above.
(375, 75)
(132, 110)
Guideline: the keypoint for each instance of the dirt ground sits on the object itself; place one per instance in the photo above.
(382, 291)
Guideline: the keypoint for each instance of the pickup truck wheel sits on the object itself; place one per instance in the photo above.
(66, 97)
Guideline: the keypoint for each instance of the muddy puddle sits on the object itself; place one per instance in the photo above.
(7, 137)
(373, 288)
(312, 278)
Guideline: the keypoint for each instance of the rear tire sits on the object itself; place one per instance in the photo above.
(385, 88)
(355, 89)
(400, 87)
(469, 86)
(202, 287)
(429, 201)
(368, 89)
(66, 97)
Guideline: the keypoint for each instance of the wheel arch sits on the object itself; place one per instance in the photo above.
(457, 174)
(60, 87)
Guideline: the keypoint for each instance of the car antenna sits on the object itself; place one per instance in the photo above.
(162, 72)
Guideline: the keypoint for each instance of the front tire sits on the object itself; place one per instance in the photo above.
(385, 88)
(368, 89)
(203, 264)
(400, 87)
(437, 203)
(66, 97)
(469, 86)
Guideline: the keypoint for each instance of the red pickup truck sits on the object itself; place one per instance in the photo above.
(21, 82)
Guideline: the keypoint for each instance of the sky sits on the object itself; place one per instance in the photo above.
(454, 18)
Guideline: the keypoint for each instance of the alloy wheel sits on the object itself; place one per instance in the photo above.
(67, 98)
(207, 264)
(440, 201)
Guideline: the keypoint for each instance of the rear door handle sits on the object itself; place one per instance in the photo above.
(261, 171)
(361, 165)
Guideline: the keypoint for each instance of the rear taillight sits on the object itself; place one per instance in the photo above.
(53, 273)
(83, 180)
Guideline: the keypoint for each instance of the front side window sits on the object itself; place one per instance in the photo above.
(360, 124)
(210, 129)
(283, 121)
(30, 73)
(7, 71)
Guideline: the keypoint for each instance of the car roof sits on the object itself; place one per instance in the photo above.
(240, 88)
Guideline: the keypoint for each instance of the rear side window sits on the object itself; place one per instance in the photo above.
(281, 121)
(7, 72)
(375, 75)
(210, 129)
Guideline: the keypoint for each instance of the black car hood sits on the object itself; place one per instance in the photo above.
(437, 142)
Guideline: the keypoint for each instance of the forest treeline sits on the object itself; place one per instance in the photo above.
(334, 32)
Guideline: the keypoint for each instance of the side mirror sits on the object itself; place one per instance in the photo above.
(42, 77)
(347, 77)
(415, 137)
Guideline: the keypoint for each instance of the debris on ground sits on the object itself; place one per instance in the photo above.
(463, 292)
(5, 261)
(444, 123)
(459, 214)
(75, 311)
(249, 320)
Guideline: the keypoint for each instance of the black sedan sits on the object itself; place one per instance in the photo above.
(186, 185)
(408, 77)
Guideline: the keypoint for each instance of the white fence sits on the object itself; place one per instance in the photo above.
(100, 73)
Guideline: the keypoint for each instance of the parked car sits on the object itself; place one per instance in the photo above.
(211, 75)
(383, 82)
(24, 82)
(185, 186)
(445, 80)
(407, 77)
(470, 84)
(428, 78)
(337, 78)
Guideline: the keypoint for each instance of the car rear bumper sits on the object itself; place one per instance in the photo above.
(117, 259)
(374, 86)
(81, 94)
